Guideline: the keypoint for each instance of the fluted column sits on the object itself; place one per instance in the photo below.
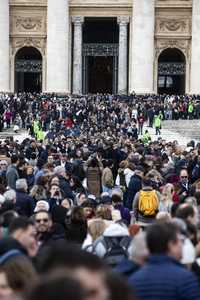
(58, 46)
(195, 56)
(123, 53)
(77, 54)
(4, 46)
(143, 22)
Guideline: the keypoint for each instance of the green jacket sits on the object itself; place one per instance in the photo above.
(35, 127)
(157, 122)
(40, 135)
(190, 108)
(146, 138)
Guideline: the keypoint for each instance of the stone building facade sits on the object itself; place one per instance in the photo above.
(89, 46)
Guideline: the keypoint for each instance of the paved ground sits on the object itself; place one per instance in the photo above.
(183, 131)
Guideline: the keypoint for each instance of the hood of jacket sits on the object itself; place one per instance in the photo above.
(116, 230)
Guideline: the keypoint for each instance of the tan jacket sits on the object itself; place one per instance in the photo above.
(107, 178)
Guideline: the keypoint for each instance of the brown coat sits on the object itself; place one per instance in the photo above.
(107, 178)
(94, 180)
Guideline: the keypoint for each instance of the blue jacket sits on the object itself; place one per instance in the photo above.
(164, 278)
(24, 204)
(126, 267)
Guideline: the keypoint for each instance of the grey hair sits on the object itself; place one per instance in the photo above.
(10, 195)
(59, 170)
(139, 246)
(21, 184)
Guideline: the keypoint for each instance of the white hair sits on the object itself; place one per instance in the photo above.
(2, 199)
(10, 195)
(21, 184)
(42, 203)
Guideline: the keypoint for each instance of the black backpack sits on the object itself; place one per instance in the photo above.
(116, 249)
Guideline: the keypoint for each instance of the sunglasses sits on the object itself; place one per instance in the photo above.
(41, 220)
(184, 176)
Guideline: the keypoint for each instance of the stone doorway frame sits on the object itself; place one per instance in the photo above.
(104, 50)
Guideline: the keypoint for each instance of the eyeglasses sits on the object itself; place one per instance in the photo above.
(42, 220)
(184, 177)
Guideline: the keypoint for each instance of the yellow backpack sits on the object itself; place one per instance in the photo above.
(148, 203)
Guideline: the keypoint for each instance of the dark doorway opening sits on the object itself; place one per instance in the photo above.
(100, 55)
(28, 70)
(100, 74)
(100, 30)
(171, 72)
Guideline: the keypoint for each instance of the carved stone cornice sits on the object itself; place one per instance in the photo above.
(28, 2)
(174, 3)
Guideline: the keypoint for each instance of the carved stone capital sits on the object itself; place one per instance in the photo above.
(78, 20)
(123, 20)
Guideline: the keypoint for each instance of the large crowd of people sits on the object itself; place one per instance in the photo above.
(90, 207)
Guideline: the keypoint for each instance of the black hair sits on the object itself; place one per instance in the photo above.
(118, 287)
(56, 287)
(62, 255)
(14, 159)
(116, 198)
(159, 235)
(20, 223)
(43, 211)
(7, 218)
(183, 212)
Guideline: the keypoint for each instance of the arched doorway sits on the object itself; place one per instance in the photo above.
(171, 72)
(28, 70)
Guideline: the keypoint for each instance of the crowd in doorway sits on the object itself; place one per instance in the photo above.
(90, 207)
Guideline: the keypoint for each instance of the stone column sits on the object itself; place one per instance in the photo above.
(4, 46)
(143, 22)
(58, 46)
(123, 54)
(195, 56)
(77, 54)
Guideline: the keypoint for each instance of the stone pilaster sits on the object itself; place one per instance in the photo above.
(4, 46)
(123, 54)
(195, 55)
(143, 22)
(77, 54)
(58, 46)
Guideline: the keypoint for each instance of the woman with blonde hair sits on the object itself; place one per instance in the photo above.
(96, 228)
(166, 198)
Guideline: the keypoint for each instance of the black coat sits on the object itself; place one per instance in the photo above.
(65, 188)
(135, 185)
(24, 204)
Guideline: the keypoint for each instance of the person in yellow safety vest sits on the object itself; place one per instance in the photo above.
(190, 110)
(35, 127)
(146, 137)
(40, 135)
(157, 123)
